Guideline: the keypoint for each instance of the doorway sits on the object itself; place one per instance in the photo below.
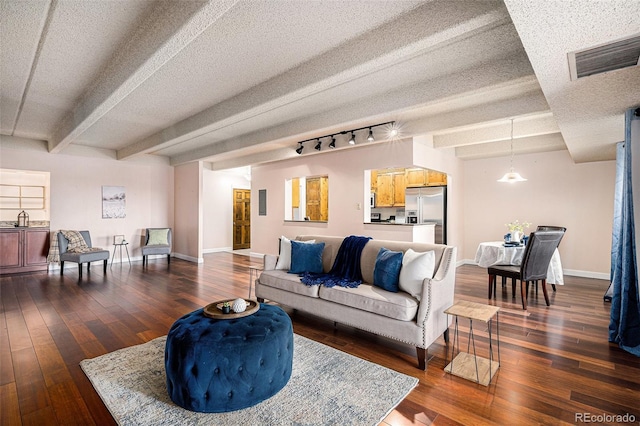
(241, 219)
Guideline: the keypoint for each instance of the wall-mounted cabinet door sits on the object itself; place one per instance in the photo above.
(436, 178)
(384, 190)
(416, 177)
(399, 185)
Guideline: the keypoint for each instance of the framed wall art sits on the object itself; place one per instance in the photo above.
(113, 202)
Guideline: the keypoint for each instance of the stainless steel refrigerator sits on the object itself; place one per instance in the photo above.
(428, 204)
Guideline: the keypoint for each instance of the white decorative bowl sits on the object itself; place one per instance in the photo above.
(239, 305)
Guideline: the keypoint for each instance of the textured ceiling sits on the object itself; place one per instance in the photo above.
(236, 82)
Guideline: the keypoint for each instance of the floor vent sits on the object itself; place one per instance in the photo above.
(608, 57)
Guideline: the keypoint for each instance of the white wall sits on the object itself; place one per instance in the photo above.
(217, 193)
(557, 192)
(188, 209)
(76, 190)
(345, 168)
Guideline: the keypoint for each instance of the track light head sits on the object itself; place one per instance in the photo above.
(370, 138)
(352, 139)
(332, 144)
(318, 146)
(300, 148)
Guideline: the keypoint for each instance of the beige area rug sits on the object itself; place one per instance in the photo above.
(327, 387)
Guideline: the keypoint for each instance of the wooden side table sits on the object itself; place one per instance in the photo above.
(465, 364)
(254, 273)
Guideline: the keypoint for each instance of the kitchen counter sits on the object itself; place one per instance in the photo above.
(399, 224)
(11, 224)
(23, 227)
(415, 232)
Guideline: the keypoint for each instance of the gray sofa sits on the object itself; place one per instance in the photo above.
(418, 321)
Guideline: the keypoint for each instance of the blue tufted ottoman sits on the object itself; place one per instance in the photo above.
(214, 366)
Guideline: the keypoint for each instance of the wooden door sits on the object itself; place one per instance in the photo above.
(313, 195)
(317, 193)
(241, 219)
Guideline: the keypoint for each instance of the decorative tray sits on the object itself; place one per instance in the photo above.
(214, 310)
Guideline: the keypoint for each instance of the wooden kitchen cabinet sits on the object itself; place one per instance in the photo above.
(23, 250)
(416, 177)
(436, 178)
(399, 186)
(390, 188)
(424, 177)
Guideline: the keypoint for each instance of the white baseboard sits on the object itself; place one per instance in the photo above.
(188, 258)
(256, 254)
(570, 272)
(216, 250)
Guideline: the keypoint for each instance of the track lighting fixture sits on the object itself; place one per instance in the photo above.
(391, 131)
(370, 138)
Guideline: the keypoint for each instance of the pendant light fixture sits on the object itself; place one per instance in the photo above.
(512, 176)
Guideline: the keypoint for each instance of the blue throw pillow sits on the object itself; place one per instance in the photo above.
(387, 270)
(306, 257)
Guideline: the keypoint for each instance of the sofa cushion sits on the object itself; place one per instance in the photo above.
(284, 281)
(306, 257)
(387, 269)
(284, 257)
(415, 268)
(367, 297)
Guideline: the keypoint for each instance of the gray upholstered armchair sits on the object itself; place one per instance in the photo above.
(87, 256)
(157, 241)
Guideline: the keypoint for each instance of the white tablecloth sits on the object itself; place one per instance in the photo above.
(495, 253)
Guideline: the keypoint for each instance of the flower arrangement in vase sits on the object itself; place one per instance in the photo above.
(517, 229)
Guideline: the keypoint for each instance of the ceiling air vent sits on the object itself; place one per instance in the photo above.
(608, 57)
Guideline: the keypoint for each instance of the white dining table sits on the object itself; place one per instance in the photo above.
(495, 253)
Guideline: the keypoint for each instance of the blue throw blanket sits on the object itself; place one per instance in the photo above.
(345, 271)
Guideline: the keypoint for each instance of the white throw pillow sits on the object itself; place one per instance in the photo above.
(415, 268)
(284, 259)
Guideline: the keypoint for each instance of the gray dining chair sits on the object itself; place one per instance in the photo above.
(550, 228)
(535, 263)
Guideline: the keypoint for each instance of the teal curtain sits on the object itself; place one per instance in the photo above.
(624, 325)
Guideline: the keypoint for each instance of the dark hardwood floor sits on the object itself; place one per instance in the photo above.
(555, 361)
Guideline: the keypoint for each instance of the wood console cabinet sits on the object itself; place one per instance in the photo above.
(23, 250)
